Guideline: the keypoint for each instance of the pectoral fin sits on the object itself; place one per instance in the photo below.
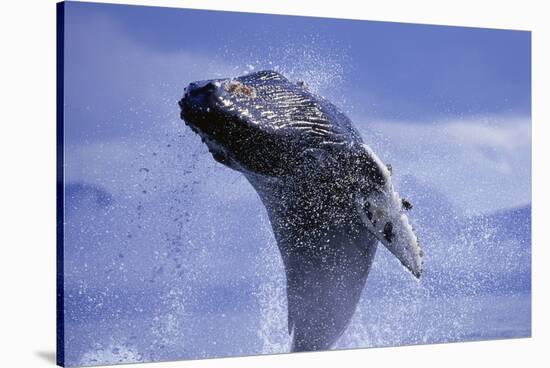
(382, 211)
(384, 218)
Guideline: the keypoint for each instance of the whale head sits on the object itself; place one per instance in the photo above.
(264, 124)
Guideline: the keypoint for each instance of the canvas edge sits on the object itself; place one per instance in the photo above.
(60, 315)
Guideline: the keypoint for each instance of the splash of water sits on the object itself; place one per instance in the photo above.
(271, 297)
(322, 65)
(113, 353)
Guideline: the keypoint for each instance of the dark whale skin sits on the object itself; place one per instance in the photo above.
(308, 165)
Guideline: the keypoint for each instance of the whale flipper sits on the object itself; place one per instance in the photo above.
(381, 211)
(324, 287)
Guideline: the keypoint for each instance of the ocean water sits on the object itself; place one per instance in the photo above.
(196, 273)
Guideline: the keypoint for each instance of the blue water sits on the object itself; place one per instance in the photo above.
(195, 272)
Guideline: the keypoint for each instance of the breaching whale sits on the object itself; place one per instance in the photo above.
(329, 198)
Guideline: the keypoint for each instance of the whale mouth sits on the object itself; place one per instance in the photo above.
(216, 150)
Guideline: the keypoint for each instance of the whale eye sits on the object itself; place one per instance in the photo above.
(240, 89)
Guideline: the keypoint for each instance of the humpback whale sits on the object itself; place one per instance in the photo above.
(329, 198)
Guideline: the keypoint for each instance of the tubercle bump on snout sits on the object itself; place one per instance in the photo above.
(239, 88)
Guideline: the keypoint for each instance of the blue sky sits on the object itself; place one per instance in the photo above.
(126, 67)
(405, 71)
(448, 107)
